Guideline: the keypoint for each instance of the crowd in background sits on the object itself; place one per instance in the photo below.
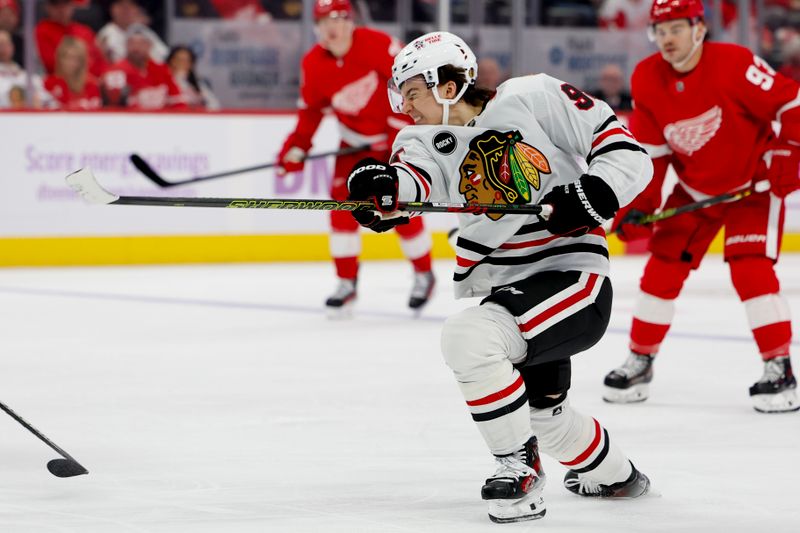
(119, 61)
(93, 54)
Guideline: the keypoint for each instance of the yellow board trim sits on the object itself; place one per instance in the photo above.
(75, 251)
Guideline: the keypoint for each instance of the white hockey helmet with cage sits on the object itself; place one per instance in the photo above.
(422, 57)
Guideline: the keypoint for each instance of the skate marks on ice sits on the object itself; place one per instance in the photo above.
(245, 418)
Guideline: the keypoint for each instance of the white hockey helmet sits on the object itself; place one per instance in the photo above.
(423, 56)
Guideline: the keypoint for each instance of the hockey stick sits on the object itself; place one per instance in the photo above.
(758, 187)
(84, 183)
(143, 167)
(66, 467)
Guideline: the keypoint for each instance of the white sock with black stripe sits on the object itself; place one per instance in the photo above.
(499, 406)
(580, 443)
(480, 344)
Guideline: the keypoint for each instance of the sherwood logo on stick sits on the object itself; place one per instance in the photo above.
(294, 204)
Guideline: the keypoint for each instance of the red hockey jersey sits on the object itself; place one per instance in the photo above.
(354, 86)
(713, 122)
(150, 89)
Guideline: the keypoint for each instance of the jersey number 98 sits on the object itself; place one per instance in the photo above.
(582, 101)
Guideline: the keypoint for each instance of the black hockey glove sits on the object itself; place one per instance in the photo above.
(373, 180)
(580, 206)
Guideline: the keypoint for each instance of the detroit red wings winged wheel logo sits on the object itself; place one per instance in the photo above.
(690, 135)
(501, 169)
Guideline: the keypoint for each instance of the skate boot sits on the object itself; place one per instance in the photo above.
(636, 485)
(776, 391)
(421, 291)
(340, 304)
(514, 491)
(630, 382)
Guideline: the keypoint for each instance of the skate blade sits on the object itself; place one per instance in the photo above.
(637, 393)
(524, 509)
(344, 312)
(783, 402)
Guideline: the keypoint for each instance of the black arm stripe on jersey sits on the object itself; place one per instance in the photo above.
(581, 247)
(473, 246)
(532, 228)
(605, 124)
(506, 409)
(418, 197)
(421, 172)
(619, 145)
(597, 460)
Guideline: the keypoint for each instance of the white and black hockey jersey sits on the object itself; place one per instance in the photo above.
(535, 134)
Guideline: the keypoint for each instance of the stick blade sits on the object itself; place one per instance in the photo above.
(84, 183)
(143, 167)
(65, 468)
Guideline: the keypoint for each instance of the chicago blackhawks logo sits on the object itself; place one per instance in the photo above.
(501, 169)
(688, 136)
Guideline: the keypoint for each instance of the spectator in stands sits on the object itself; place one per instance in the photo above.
(111, 37)
(9, 21)
(611, 88)
(624, 14)
(138, 82)
(241, 9)
(58, 24)
(72, 85)
(13, 78)
(490, 75)
(791, 57)
(195, 9)
(196, 91)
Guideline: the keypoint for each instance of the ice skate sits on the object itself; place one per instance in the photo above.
(421, 291)
(514, 491)
(776, 391)
(636, 485)
(340, 303)
(630, 382)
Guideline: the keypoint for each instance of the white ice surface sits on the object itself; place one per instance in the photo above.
(220, 399)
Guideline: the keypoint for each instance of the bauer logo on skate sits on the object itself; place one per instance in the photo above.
(690, 135)
(501, 169)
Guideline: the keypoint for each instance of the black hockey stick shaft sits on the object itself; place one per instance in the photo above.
(758, 187)
(145, 168)
(60, 469)
(84, 183)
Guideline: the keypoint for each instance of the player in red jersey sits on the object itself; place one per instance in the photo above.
(707, 109)
(348, 71)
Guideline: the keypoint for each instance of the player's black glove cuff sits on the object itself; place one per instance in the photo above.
(580, 206)
(373, 180)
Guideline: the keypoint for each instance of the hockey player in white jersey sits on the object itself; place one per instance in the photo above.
(546, 292)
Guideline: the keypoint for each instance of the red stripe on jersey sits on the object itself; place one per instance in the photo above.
(615, 131)
(416, 175)
(528, 244)
(539, 242)
(588, 451)
(562, 305)
(499, 395)
(460, 261)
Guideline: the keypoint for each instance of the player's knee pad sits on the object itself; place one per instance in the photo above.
(753, 276)
(547, 379)
(477, 339)
(343, 221)
(663, 278)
